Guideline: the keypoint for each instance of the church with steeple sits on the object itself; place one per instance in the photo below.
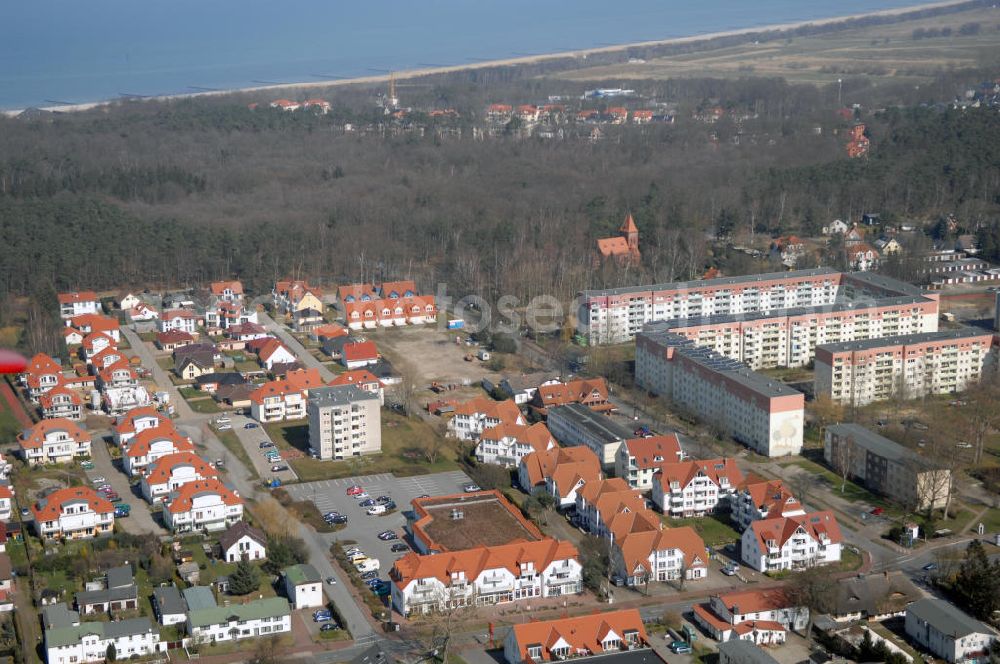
(625, 247)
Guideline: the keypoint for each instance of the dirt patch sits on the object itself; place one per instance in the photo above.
(429, 355)
(479, 521)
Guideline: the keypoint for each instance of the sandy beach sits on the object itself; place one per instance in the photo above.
(285, 89)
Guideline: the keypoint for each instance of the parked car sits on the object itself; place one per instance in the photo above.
(367, 565)
(339, 519)
(100, 479)
(322, 617)
(105, 488)
(122, 510)
(377, 510)
(87, 465)
(330, 515)
(266, 445)
(878, 511)
(728, 571)
(471, 488)
(930, 567)
(399, 546)
(354, 490)
(250, 425)
(680, 648)
(329, 627)
(382, 500)
(278, 468)
(331, 580)
(382, 590)
(25, 513)
(361, 496)
(115, 498)
(368, 502)
(387, 535)
(423, 495)
(370, 575)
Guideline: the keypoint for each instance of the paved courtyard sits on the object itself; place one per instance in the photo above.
(330, 495)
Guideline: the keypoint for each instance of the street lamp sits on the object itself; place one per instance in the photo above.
(840, 89)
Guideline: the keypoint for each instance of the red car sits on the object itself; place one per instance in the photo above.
(354, 490)
(877, 511)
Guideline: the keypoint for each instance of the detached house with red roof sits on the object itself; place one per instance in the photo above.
(476, 415)
(94, 343)
(53, 441)
(359, 354)
(227, 291)
(758, 498)
(534, 642)
(41, 375)
(761, 616)
(204, 505)
(792, 542)
(6, 509)
(136, 421)
(484, 576)
(560, 472)
(695, 488)
(76, 512)
(171, 340)
(639, 458)
(274, 352)
(182, 320)
(77, 303)
(169, 473)
(506, 444)
(88, 323)
(62, 402)
(151, 444)
(623, 249)
(591, 392)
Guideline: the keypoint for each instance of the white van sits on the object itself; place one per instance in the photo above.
(377, 510)
(357, 557)
(367, 565)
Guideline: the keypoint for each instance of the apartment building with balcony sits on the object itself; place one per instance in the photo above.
(907, 367)
(344, 421)
(758, 498)
(77, 303)
(792, 542)
(62, 402)
(149, 445)
(764, 414)
(658, 554)
(76, 512)
(203, 505)
(286, 398)
(695, 488)
(55, 440)
(560, 472)
(762, 616)
(171, 472)
(506, 444)
(476, 415)
(886, 467)
(638, 459)
(607, 633)
(484, 576)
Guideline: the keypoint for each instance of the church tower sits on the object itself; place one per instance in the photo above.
(631, 233)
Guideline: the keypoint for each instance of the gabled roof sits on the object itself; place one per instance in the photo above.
(330, 331)
(181, 500)
(161, 470)
(473, 562)
(505, 411)
(171, 314)
(360, 350)
(90, 341)
(636, 547)
(270, 347)
(34, 437)
(50, 507)
(126, 423)
(295, 289)
(582, 634)
(299, 574)
(140, 445)
(78, 296)
(947, 618)
(580, 459)
(218, 287)
(684, 472)
(269, 607)
(613, 246)
(771, 496)
(238, 531)
(355, 377)
(174, 337)
(756, 601)
(96, 322)
(107, 374)
(47, 399)
(581, 390)
(537, 435)
(781, 529)
(653, 451)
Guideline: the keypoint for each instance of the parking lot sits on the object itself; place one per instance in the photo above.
(331, 495)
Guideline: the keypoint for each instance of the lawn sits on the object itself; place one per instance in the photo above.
(715, 530)
(9, 426)
(189, 392)
(204, 405)
(403, 443)
(992, 520)
(166, 363)
(233, 444)
(852, 491)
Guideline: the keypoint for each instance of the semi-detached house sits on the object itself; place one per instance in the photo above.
(260, 617)
(761, 616)
(135, 421)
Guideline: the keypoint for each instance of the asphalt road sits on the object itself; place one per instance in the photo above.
(293, 344)
(140, 519)
(160, 376)
(251, 440)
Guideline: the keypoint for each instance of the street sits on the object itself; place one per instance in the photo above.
(305, 357)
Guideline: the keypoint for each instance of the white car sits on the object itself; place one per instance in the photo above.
(377, 510)
(361, 496)
(370, 565)
(98, 480)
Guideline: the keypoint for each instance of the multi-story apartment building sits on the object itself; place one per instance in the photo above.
(886, 467)
(53, 441)
(227, 291)
(638, 459)
(344, 422)
(182, 320)
(202, 505)
(41, 375)
(695, 488)
(136, 421)
(758, 498)
(591, 392)
(151, 444)
(76, 512)
(859, 372)
(256, 618)
(658, 554)
(560, 472)
(82, 642)
(225, 315)
(761, 616)
(764, 414)
(792, 542)
(506, 444)
(607, 633)
(284, 399)
(77, 303)
(485, 575)
(948, 632)
(62, 402)
(476, 415)
(576, 424)
(367, 306)
(598, 503)
(169, 473)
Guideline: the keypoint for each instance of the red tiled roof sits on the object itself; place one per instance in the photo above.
(653, 451)
(140, 445)
(91, 339)
(34, 437)
(188, 492)
(61, 390)
(126, 423)
(781, 529)
(685, 471)
(50, 507)
(537, 435)
(174, 337)
(79, 296)
(218, 287)
(160, 471)
(361, 350)
(355, 377)
(171, 314)
(579, 461)
(96, 322)
(756, 601)
(581, 390)
(636, 547)
(505, 411)
(583, 634)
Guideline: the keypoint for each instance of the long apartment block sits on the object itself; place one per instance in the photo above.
(764, 414)
(907, 366)
(778, 316)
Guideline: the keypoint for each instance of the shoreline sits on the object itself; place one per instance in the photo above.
(502, 62)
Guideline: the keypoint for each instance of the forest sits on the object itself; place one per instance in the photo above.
(173, 193)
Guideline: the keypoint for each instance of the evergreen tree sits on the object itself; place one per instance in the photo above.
(111, 653)
(977, 584)
(244, 579)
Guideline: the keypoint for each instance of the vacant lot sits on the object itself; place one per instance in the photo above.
(874, 52)
(484, 521)
(426, 354)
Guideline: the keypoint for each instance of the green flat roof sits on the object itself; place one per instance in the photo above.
(255, 610)
(299, 574)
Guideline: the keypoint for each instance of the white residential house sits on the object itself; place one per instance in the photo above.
(695, 488)
(275, 402)
(169, 606)
(506, 444)
(836, 227)
(485, 576)
(638, 459)
(203, 505)
(73, 513)
(172, 471)
(136, 421)
(54, 441)
(89, 641)
(303, 586)
(474, 416)
(758, 499)
(792, 542)
(77, 303)
(6, 501)
(241, 541)
(275, 353)
(151, 444)
(666, 554)
(761, 616)
(62, 402)
(183, 320)
(260, 617)
(947, 632)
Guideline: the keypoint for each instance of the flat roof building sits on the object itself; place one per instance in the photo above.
(576, 424)
(344, 421)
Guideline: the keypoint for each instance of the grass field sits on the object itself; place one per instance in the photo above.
(404, 441)
(204, 405)
(715, 530)
(233, 444)
(872, 53)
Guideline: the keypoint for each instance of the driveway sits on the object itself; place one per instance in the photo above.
(140, 519)
(293, 344)
(163, 382)
(251, 440)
